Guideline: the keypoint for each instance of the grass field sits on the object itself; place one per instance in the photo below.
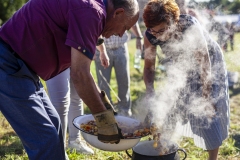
(11, 147)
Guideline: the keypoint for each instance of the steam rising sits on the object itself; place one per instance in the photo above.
(175, 104)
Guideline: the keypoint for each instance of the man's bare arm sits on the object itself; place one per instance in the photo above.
(84, 82)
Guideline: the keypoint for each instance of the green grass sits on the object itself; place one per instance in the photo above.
(11, 147)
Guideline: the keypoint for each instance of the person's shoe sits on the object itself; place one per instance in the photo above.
(66, 156)
(80, 147)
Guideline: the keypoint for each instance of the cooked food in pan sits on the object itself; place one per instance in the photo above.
(127, 131)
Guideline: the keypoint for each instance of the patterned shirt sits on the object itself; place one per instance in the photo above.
(180, 54)
(114, 42)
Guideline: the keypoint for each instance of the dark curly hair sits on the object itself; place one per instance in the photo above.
(158, 11)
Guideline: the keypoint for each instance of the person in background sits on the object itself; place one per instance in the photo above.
(231, 36)
(230, 27)
(42, 39)
(191, 51)
(117, 50)
(222, 33)
(182, 6)
(69, 105)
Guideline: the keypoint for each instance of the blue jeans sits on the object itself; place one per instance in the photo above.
(26, 106)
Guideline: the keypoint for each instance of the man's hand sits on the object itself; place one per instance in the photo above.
(108, 131)
(107, 102)
(104, 59)
(103, 56)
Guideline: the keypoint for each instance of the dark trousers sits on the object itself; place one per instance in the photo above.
(26, 106)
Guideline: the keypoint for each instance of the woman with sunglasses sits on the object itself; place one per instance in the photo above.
(196, 74)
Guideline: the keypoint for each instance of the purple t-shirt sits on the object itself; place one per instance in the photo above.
(42, 32)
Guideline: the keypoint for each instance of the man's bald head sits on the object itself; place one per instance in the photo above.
(121, 16)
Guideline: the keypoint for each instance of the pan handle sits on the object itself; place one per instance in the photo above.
(128, 154)
(185, 153)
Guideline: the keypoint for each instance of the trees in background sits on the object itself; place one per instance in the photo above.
(235, 7)
(217, 6)
(8, 7)
(224, 6)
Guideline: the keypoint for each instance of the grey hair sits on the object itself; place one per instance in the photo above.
(130, 6)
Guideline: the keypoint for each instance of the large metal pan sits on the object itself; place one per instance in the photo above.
(124, 144)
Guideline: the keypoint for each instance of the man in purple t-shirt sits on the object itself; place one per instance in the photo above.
(42, 39)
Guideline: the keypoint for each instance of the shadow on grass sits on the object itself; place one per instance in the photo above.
(234, 91)
(10, 144)
(236, 137)
(137, 77)
(6, 135)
